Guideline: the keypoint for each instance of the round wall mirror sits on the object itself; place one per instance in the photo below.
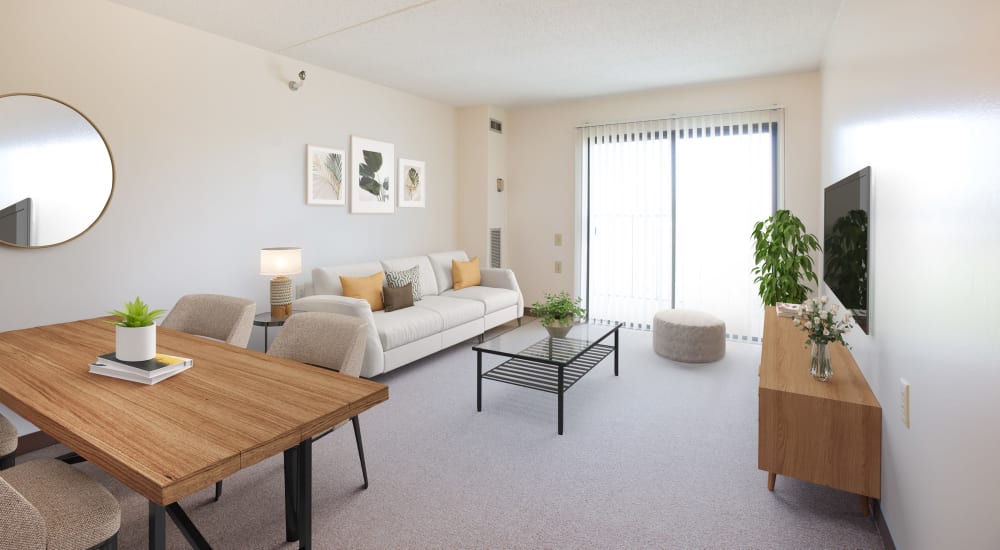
(56, 171)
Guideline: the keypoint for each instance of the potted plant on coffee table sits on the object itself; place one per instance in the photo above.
(135, 332)
(558, 313)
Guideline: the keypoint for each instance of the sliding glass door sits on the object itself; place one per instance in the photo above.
(668, 210)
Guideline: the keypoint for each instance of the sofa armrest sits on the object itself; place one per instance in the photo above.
(374, 361)
(502, 278)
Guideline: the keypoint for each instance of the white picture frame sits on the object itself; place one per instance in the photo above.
(372, 164)
(412, 194)
(325, 176)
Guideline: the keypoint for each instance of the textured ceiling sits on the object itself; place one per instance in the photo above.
(517, 52)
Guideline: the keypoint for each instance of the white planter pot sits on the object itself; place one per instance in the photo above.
(135, 343)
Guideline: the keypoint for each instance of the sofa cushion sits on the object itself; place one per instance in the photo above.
(428, 282)
(326, 280)
(405, 325)
(368, 288)
(494, 299)
(465, 274)
(453, 311)
(397, 298)
(409, 277)
(441, 262)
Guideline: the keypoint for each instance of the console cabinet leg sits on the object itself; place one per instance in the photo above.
(864, 504)
(770, 481)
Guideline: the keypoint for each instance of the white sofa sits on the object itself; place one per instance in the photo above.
(442, 318)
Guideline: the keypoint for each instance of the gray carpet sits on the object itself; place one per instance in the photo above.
(664, 456)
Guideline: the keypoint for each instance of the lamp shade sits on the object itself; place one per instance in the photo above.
(280, 261)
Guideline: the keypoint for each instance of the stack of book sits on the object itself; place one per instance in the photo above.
(152, 371)
(787, 310)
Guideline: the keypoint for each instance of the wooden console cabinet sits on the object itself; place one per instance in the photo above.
(828, 433)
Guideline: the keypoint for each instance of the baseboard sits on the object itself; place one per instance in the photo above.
(33, 442)
(883, 529)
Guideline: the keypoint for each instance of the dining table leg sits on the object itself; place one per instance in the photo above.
(304, 518)
(157, 527)
(291, 494)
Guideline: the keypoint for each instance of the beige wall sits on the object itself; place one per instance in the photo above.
(473, 170)
(542, 144)
(912, 89)
(209, 148)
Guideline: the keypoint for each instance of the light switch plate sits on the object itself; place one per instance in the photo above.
(558, 239)
(558, 267)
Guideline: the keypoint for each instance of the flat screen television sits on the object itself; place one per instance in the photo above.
(846, 211)
(15, 223)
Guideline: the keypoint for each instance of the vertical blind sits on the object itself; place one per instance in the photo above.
(668, 209)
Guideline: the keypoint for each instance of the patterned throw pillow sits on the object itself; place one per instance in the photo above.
(397, 279)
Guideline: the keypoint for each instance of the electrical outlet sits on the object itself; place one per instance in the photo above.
(904, 401)
(558, 239)
(558, 267)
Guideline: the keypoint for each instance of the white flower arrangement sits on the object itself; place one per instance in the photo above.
(823, 325)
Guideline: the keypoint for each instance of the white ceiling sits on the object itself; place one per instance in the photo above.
(517, 52)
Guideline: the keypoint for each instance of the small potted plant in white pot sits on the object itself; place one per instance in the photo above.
(135, 332)
(558, 313)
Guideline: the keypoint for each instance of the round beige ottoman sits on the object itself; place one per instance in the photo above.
(689, 336)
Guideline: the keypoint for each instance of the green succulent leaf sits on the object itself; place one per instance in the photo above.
(136, 314)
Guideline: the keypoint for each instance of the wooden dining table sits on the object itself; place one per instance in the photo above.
(232, 409)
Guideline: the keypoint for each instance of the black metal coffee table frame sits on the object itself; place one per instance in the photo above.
(568, 361)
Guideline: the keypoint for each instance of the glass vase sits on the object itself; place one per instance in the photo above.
(821, 369)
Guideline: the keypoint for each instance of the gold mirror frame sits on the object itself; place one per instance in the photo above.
(111, 158)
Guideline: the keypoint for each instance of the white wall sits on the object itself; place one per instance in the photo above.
(209, 150)
(542, 141)
(912, 88)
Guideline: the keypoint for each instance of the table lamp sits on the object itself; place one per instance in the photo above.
(280, 262)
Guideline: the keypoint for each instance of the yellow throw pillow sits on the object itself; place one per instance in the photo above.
(367, 288)
(466, 274)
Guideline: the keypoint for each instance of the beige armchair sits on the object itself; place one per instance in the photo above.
(328, 340)
(8, 442)
(215, 316)
(47, 504)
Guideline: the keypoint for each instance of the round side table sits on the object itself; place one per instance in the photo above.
(267, 320)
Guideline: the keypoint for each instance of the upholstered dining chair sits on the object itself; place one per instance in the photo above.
(48, 504)
(8, 442)
(214, 316)
(328, 340)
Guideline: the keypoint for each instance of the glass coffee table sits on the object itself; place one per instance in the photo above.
(550, 364)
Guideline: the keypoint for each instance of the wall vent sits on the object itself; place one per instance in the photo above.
(495, 247)
(496, 125)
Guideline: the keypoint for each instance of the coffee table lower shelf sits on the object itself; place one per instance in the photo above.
(544, 376)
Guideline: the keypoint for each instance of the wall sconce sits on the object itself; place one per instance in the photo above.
(499, 185)
(295, 85)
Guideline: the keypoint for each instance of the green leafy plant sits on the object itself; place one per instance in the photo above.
(137, 314)
(558, 307)
(369, 175)
(781, 256)
(847, 259)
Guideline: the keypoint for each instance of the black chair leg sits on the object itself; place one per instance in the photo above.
(7, 461)
(110, 544)
(218, 490)
(361, 449)
(71, 458)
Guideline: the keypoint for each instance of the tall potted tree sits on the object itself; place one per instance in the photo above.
(781, 255)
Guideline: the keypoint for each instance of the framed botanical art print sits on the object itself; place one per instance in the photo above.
(372, 176)
(412, 183)
(325, 176)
